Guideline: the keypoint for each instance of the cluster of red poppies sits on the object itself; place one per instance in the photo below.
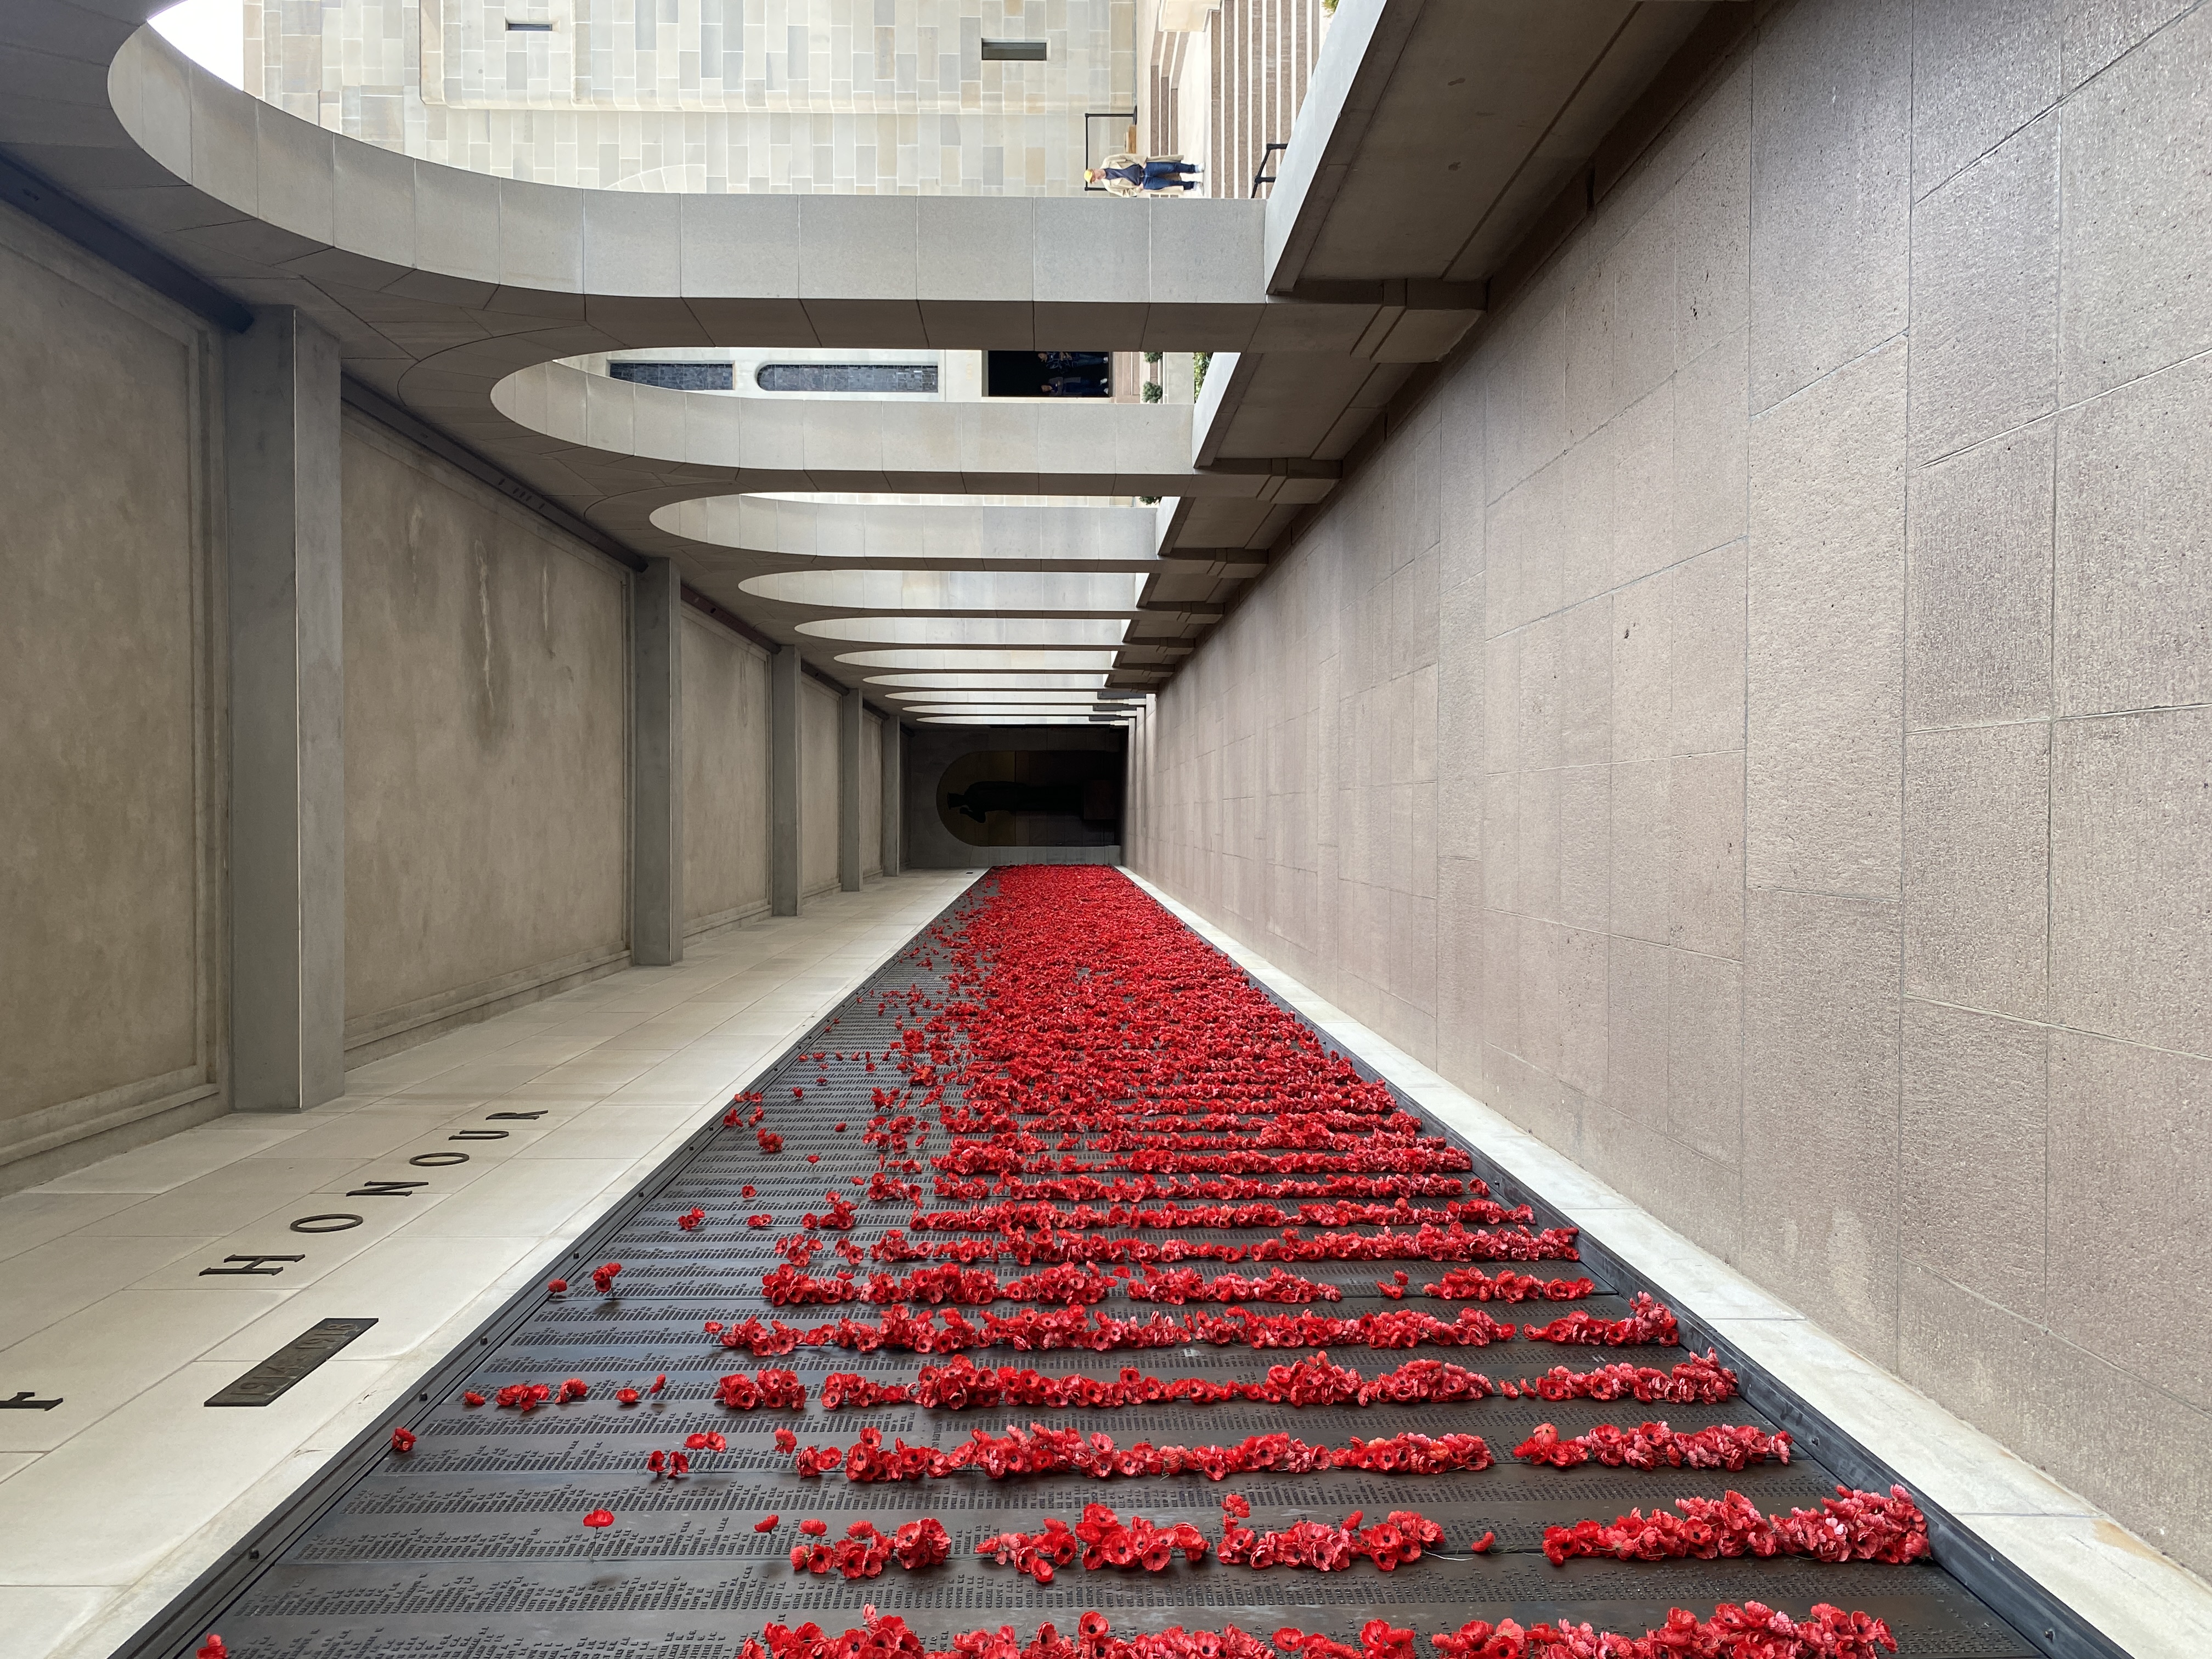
(769, 1388)
(527, 1397)
(973, 1160)
(1389, 1544)
(1722, 1446)
(960, 1384)
(1852, 1526)
(1179, 1284)
(864, 1551)
(1043, 1450)
(1473, 1284)
(1014, 1218)
(1124, 1190)
(1647, 1321)
(1752, 1631)
(887, 1636)
(1101, 1539)
(788, 1287)
(949, 1331)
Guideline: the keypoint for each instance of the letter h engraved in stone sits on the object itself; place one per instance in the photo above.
(253, 1265)
(23, 1401)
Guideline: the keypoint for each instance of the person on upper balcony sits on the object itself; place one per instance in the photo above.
(1127, 175)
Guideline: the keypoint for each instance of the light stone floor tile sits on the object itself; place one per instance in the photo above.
(180, 1157)
(60, 1277)
(30, 1219)
(2140, 1597)
(37, 1618)
(530, 1196)
(74, 1359)
(246, 1192)
(209, 1265)
(427, 1280)
(9, 1463)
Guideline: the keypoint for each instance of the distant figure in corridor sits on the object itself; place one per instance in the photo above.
(992, 796)
(1125, 175)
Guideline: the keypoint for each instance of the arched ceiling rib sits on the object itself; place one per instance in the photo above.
(457, 296)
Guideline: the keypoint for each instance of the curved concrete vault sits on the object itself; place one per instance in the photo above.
(461, 298)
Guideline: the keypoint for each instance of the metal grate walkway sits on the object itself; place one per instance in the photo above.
(470, 1547)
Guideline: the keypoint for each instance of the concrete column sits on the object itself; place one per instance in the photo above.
(894, 808)
(287, 714)
(656, 767)
(850, 714)
(783, 781)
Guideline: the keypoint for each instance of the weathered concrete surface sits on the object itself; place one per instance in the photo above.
(817, 787)
(726, 776)
(852, 716)
(657, 910)
(894, 795)
(110, 977)
(285, 580)
(487, 747)
(871, 793)
(1743, 727)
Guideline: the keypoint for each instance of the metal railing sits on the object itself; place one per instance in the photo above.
(1263, 176)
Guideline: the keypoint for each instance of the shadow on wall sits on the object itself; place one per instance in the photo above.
(1011, 788)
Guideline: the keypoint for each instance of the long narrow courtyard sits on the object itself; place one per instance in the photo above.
(1062, 1294)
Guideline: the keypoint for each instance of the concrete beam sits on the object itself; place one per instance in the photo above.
(287, 715)
(850, 714)
(894, 807)
(656, 772)
(1029, 536)
(783, 781)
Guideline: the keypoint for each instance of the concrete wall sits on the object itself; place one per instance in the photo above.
(817, 786)
(111, 975)
(725, 828)
(487, 748)
(1749, 725)
(871, 793)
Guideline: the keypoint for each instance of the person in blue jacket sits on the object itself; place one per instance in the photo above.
(1171, 174)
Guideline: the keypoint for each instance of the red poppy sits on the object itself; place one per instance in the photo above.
(472, 1398)
(597, 1518)
(556, 1286)
(627, 1396)
(658, 1383)
(402, 1440)
(211, 1647)
(768, 1523)
(814, 1529)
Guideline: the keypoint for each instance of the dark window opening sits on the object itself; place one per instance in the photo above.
(1014, 51)
(1048, 374)
(847, 377)
(514, 27)
(676, 377)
